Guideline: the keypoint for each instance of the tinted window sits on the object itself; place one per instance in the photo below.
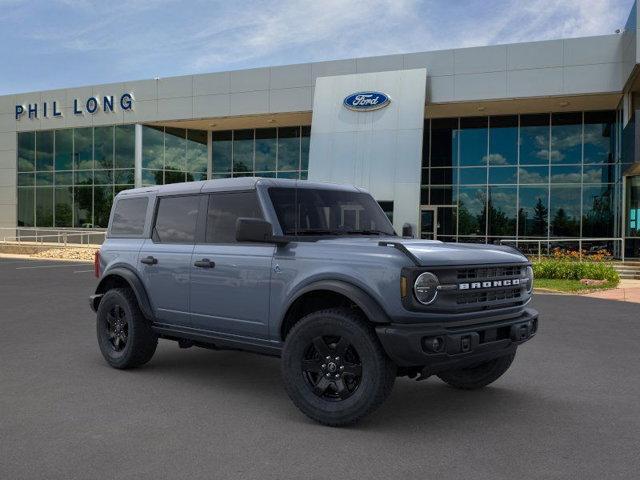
(307, 211)
(224, 209)
(129, 216)
(176, 220)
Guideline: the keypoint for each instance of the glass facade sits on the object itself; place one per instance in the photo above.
(281, 152)
(68, 177)
(541, 176)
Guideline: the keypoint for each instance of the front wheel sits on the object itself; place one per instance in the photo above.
(477, 376)
(334, 368)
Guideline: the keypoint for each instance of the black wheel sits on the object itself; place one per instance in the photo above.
(478, 376)
(334, 368)
(124, 335)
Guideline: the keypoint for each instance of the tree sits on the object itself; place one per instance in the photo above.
(540, 219)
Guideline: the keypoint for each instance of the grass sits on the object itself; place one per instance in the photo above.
(569, 286)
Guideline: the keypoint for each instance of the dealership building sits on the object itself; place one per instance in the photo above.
(528, 143)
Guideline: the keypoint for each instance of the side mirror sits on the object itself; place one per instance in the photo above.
(253, 230)
(407, 230)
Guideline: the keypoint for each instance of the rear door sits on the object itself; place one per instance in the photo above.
(230, 281)
(165, 258)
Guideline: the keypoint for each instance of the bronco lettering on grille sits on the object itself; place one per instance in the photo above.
(489, 284)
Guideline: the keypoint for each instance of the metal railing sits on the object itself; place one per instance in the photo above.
(52, 236)
(544, 247)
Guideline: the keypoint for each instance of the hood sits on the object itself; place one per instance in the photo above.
(436, 253)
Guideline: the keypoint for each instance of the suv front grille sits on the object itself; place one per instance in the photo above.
(489, 296)
(488, 273)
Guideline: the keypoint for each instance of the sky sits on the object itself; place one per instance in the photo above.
(48, 44)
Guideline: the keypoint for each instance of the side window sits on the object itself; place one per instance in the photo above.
(128, 216)
(224, 209)
(176, 219)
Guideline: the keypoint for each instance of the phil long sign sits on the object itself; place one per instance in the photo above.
(366, 101)
(91, 105)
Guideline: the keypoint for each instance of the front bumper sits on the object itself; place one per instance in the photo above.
(460, 344)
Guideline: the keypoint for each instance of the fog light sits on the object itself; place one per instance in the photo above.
(434, 344)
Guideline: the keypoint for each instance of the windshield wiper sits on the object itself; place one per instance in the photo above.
(369, 232)
(316, 231)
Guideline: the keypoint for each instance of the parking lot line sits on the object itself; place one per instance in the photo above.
(83, 271)
(52, 266)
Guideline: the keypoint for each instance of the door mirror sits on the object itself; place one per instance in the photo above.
(253, 230)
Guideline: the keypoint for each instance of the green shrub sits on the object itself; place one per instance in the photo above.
(569, 270)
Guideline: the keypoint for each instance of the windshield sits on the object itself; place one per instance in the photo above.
(310, 211)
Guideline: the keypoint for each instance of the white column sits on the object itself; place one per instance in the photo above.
(138, 156)
(209, 155)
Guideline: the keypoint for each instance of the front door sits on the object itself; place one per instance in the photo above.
(428, 222)
(230, 281)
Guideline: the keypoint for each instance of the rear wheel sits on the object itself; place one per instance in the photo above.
(334, 368)
(124, 335)
(478, 376)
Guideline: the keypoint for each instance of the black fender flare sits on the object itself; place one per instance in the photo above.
(370, 307)
(134, 283)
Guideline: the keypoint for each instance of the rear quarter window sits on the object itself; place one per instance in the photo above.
(129, 216)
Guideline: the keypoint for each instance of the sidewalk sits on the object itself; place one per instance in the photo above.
(627, 291)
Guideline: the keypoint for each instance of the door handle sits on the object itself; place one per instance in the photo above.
(204, 263)
(149, 260)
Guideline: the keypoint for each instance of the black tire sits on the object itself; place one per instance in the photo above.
(119, 318)
(477, 376)
(365, 379)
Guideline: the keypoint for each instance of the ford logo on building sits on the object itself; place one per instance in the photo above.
(366, 101)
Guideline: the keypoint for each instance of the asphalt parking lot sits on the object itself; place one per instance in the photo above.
(568, 408)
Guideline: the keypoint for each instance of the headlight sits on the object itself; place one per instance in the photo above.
(530, 279)
(426, 288)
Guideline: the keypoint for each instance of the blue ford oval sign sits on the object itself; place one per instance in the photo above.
(366, 101)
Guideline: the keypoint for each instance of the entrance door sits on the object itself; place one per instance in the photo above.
(428, 222)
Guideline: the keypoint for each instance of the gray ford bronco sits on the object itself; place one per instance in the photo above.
(313, 273)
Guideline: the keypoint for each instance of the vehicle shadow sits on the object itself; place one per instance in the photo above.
(257, 378)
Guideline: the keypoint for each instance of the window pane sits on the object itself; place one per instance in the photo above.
(125, 151)
(64, 149)
(103, 147)
(221, 151)
(444, 137)
(176, 220)
(197, 152)
(473, 141)
(129, 216)
(534, 175)
(26, 151)
(565, 211)
(102, 199)
(83, 148)
(473, 176)
(533, 214)
(26, 202)
(83, 204)
(175, 150)
(266, 149)
(44, 179)
(471, 211)
(174, 176)
(599, 173)
(44, 150)
(443, 196)
(503, 175)
(534, 139)
(597, 211)
(242, 151)
(501, 211)
(103, 177)
(598, 137)
(152, 177)
(83, 177)
(288, 148)
(44, 207)
(153, 147)
(64, 206)
(444, 176)
(224, 209)
(566, 174)
(124, 177)
(63, 178)
(503, 140)
(566, 138)
(26, 179)
(304, 147)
